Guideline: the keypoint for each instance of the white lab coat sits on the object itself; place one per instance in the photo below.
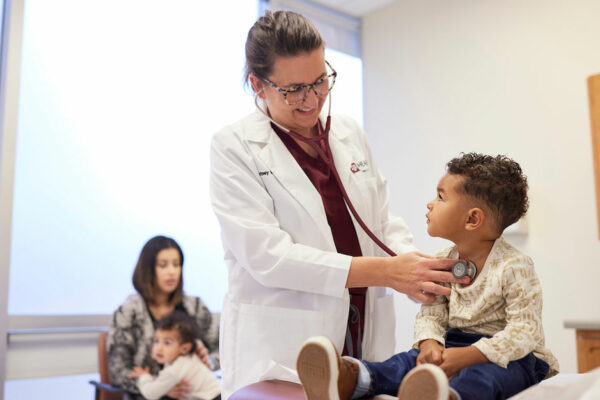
(286, 281)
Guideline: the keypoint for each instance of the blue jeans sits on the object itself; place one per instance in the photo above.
(479, 381)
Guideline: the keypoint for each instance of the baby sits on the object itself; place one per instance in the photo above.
(485, 340)
(175, 347)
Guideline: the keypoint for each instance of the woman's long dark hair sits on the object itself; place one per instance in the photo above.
(144, 275)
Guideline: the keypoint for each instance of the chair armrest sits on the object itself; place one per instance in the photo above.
(108, 387)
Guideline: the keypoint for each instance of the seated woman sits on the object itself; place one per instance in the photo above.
(159, 282)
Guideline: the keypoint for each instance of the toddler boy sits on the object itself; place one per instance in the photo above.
(485, 340)
(175, 347)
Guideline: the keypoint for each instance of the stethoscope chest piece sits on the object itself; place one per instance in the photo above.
(463, 268)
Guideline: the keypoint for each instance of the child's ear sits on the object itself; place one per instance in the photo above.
(257, 85)
(185, 348)
(475, 218)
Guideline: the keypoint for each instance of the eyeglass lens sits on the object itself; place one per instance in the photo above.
(320, 88)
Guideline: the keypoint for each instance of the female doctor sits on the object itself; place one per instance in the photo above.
(298, 263)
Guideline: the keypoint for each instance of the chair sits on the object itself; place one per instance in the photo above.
(104, 390)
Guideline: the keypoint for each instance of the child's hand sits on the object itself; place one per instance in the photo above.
(430, 352)
(456, 358)
(138, 371)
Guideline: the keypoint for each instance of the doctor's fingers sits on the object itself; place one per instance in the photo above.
(435, 289)
(424, 255)
(422, 297)
(439, 263)
(444, 276)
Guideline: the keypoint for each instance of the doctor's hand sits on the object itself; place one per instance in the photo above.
(415, 274)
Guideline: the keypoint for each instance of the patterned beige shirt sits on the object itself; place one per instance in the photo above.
(504, 302)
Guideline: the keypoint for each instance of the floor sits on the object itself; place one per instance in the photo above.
(54, 388)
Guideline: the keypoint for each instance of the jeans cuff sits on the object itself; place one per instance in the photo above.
(363, 384)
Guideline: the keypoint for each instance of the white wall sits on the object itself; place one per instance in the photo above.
(51, 354)
(506, 77)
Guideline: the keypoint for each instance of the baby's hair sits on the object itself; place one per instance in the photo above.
(184, 324)
(497, 181)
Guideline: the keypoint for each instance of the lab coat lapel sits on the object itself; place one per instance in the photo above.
(344, 155)
(284, 167)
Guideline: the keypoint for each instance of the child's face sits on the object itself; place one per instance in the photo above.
(168, 270)
(167, 346)
(448, 212)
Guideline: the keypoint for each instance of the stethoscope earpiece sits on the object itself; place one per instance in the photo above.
(463, 268)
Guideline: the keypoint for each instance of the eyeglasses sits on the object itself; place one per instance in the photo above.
(297, 94)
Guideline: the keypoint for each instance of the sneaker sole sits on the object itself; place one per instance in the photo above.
(318, 369)
(425, 382)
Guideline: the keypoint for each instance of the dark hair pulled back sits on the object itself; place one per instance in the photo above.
(278, 34)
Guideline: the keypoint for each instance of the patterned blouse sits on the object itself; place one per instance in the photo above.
(504, 302)
(131, 335)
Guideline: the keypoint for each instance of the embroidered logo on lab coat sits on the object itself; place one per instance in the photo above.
(359, 166)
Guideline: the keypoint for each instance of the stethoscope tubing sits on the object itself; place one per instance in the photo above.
(327, 156)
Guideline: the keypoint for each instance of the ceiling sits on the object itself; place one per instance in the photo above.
(355, 8)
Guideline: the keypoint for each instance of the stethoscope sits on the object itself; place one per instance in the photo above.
(462, 268)
(320, 144)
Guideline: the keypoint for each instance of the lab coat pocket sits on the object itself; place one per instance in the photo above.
(281, 332)
(384, 329)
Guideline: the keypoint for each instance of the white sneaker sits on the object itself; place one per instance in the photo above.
(425, 382)
(323, 373)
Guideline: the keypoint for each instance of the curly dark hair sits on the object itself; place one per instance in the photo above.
(497, 181)
(184, 324)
